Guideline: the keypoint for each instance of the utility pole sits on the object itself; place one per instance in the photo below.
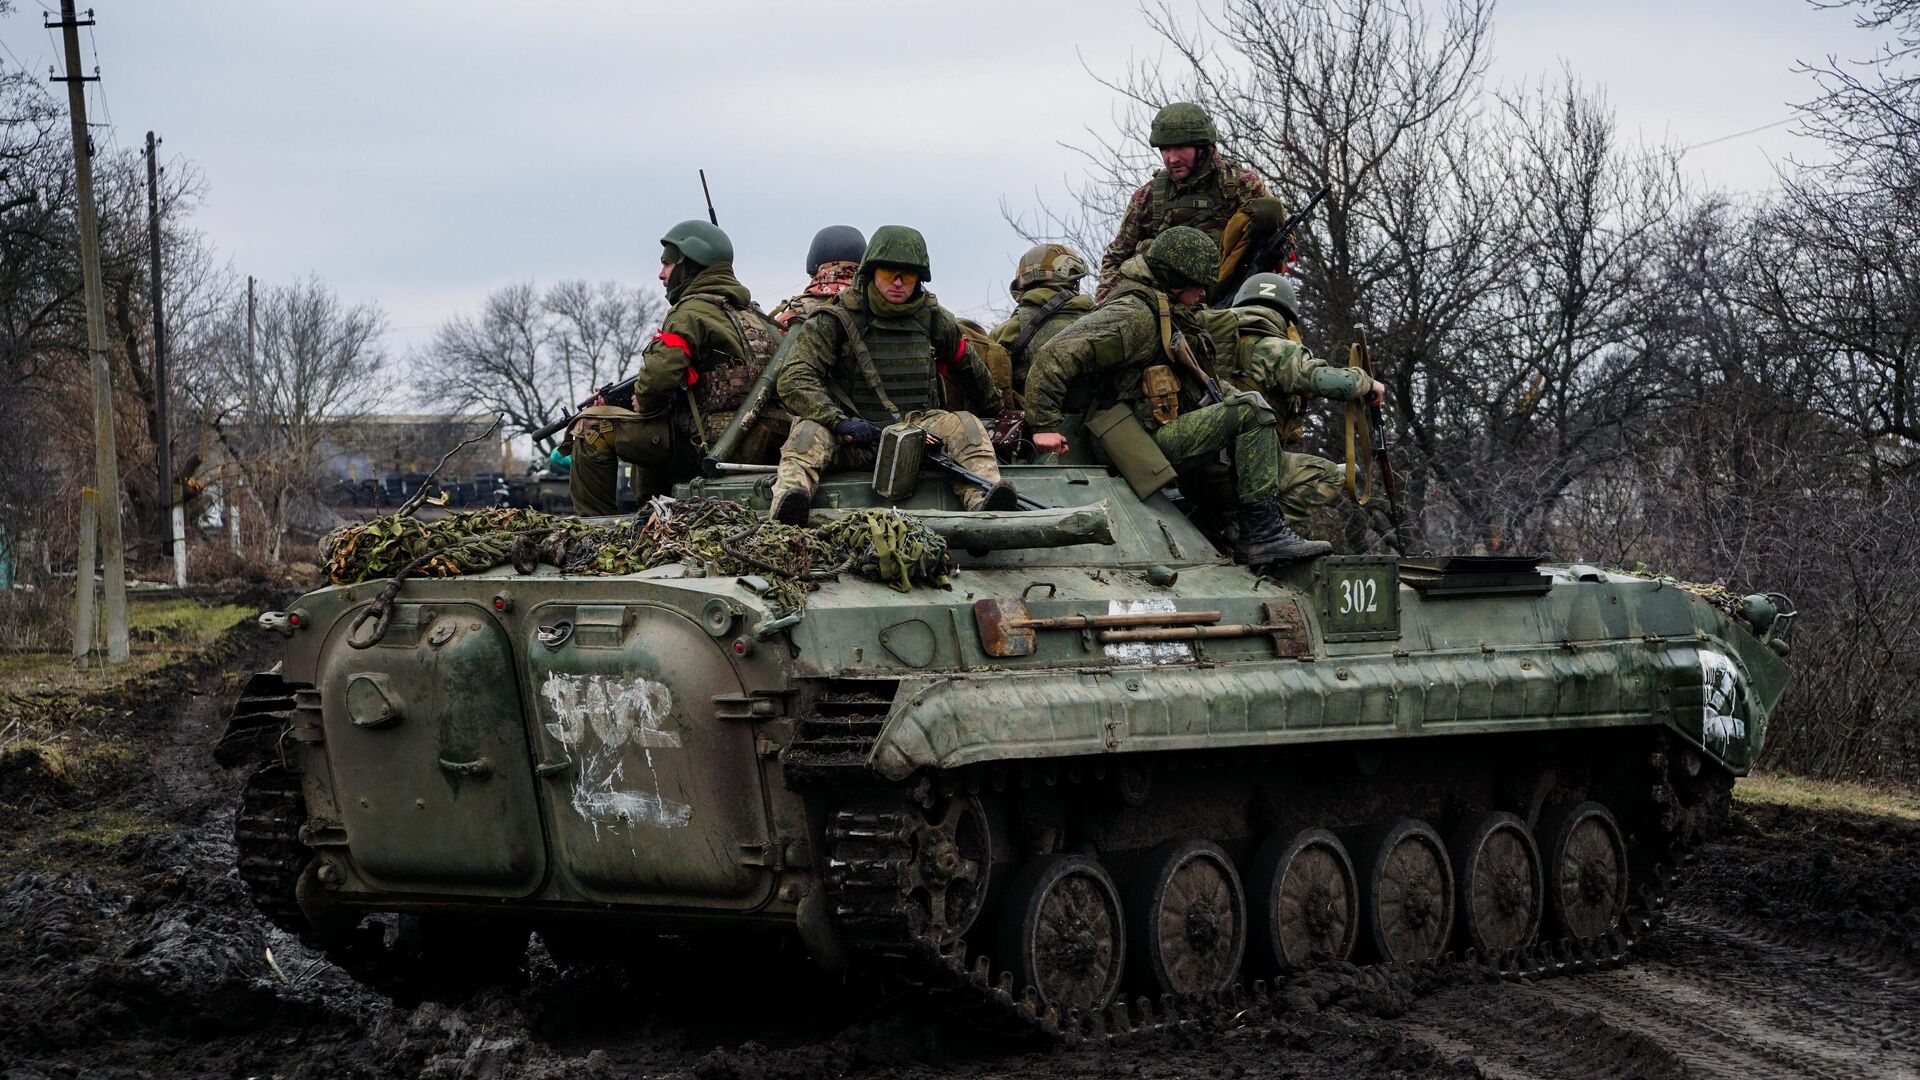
(233, 501)
(173, 523)
(106, 463)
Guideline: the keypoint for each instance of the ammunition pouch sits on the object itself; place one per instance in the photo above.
(1129, 448)
(1161, 387)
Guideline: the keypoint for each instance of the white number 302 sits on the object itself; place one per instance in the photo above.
(1358, 595)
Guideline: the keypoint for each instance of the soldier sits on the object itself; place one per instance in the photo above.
(1197, 187)
(1046, 288)
(832, 259)
(1270, 360)
(1134, 352)
(876, 355)
(694, 373)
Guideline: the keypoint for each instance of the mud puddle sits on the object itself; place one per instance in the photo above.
(129, 949)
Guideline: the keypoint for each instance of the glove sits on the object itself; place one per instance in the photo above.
(857, 432)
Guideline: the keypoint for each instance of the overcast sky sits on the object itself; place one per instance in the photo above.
(421, 154)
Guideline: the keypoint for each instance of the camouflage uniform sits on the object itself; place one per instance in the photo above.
(826, 284)
(1269, 361)
(1046, 292)
(1112, 348)
(1206, 200)
(833, 256)
(914, 347)
(692, 376)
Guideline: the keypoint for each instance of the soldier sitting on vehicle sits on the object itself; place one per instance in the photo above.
(880, 354)
(1154, 410)
(1271, 361)
(1046, 290)
(832, 259)
(693, 375)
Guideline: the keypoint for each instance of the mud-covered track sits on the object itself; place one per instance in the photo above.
(1733, 1004)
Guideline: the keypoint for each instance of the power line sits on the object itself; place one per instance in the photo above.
(1736, 135)
(10, 54)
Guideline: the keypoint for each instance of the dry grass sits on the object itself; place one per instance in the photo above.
(1779, 789)
(161, 630)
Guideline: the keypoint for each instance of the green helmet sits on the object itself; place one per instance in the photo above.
(1182, 124)
(898, 245)
(1183, 256)
(1270, 290)
(699, 241)
(1045, 264)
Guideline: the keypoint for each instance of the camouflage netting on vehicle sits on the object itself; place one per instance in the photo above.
(1715, 593)
(719, 536)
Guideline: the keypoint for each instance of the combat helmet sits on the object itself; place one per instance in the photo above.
(1184, 256)
(1270, 290)
(698, 241)
(897, 245)
(1182, 124)
(835, 243)
(1048, 264)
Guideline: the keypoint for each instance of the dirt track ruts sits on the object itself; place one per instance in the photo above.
(1788, 954)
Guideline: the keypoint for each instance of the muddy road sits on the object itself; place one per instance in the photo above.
(129, 949)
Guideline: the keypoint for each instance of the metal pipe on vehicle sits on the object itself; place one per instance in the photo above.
(1131, 619)
(1187, 633)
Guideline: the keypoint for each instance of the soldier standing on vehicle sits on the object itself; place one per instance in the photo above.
(832, 259)
(1270, 360)
(1197, 187)
(1153, 412)
(1046, 288)
(878, 354)
(693, 375)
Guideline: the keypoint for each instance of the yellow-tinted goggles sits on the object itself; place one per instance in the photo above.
(890, 278)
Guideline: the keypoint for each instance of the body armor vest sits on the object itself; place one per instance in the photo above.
(722, 379)
(901, 354)
(1289, 409)
(1207, 207)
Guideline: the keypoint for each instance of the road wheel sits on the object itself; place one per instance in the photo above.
(946, 877)
(1497, 893)
(1188, 918)
(1585, 869)
(1063, 928)
(1406, 891)
(1305, 902)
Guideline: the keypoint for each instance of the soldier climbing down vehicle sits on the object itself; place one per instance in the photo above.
(1269, 361)
(1156, 409)
(882, 353)
(693, 375)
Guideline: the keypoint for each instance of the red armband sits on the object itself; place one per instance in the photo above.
(674, 341)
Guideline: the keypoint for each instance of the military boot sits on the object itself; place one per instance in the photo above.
(1265, 539)
(791, 507)
(1001, 496)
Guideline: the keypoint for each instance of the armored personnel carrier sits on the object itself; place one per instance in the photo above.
(1107, 757)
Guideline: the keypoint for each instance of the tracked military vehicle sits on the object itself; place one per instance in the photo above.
(1120, 766)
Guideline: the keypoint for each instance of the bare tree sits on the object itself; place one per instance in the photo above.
(318, 365)
(530, 355)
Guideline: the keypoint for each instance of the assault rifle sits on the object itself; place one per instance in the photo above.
(1378, 435)
(1272, 255)
(610, 393)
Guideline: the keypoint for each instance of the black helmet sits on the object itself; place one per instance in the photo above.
(835, 243)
